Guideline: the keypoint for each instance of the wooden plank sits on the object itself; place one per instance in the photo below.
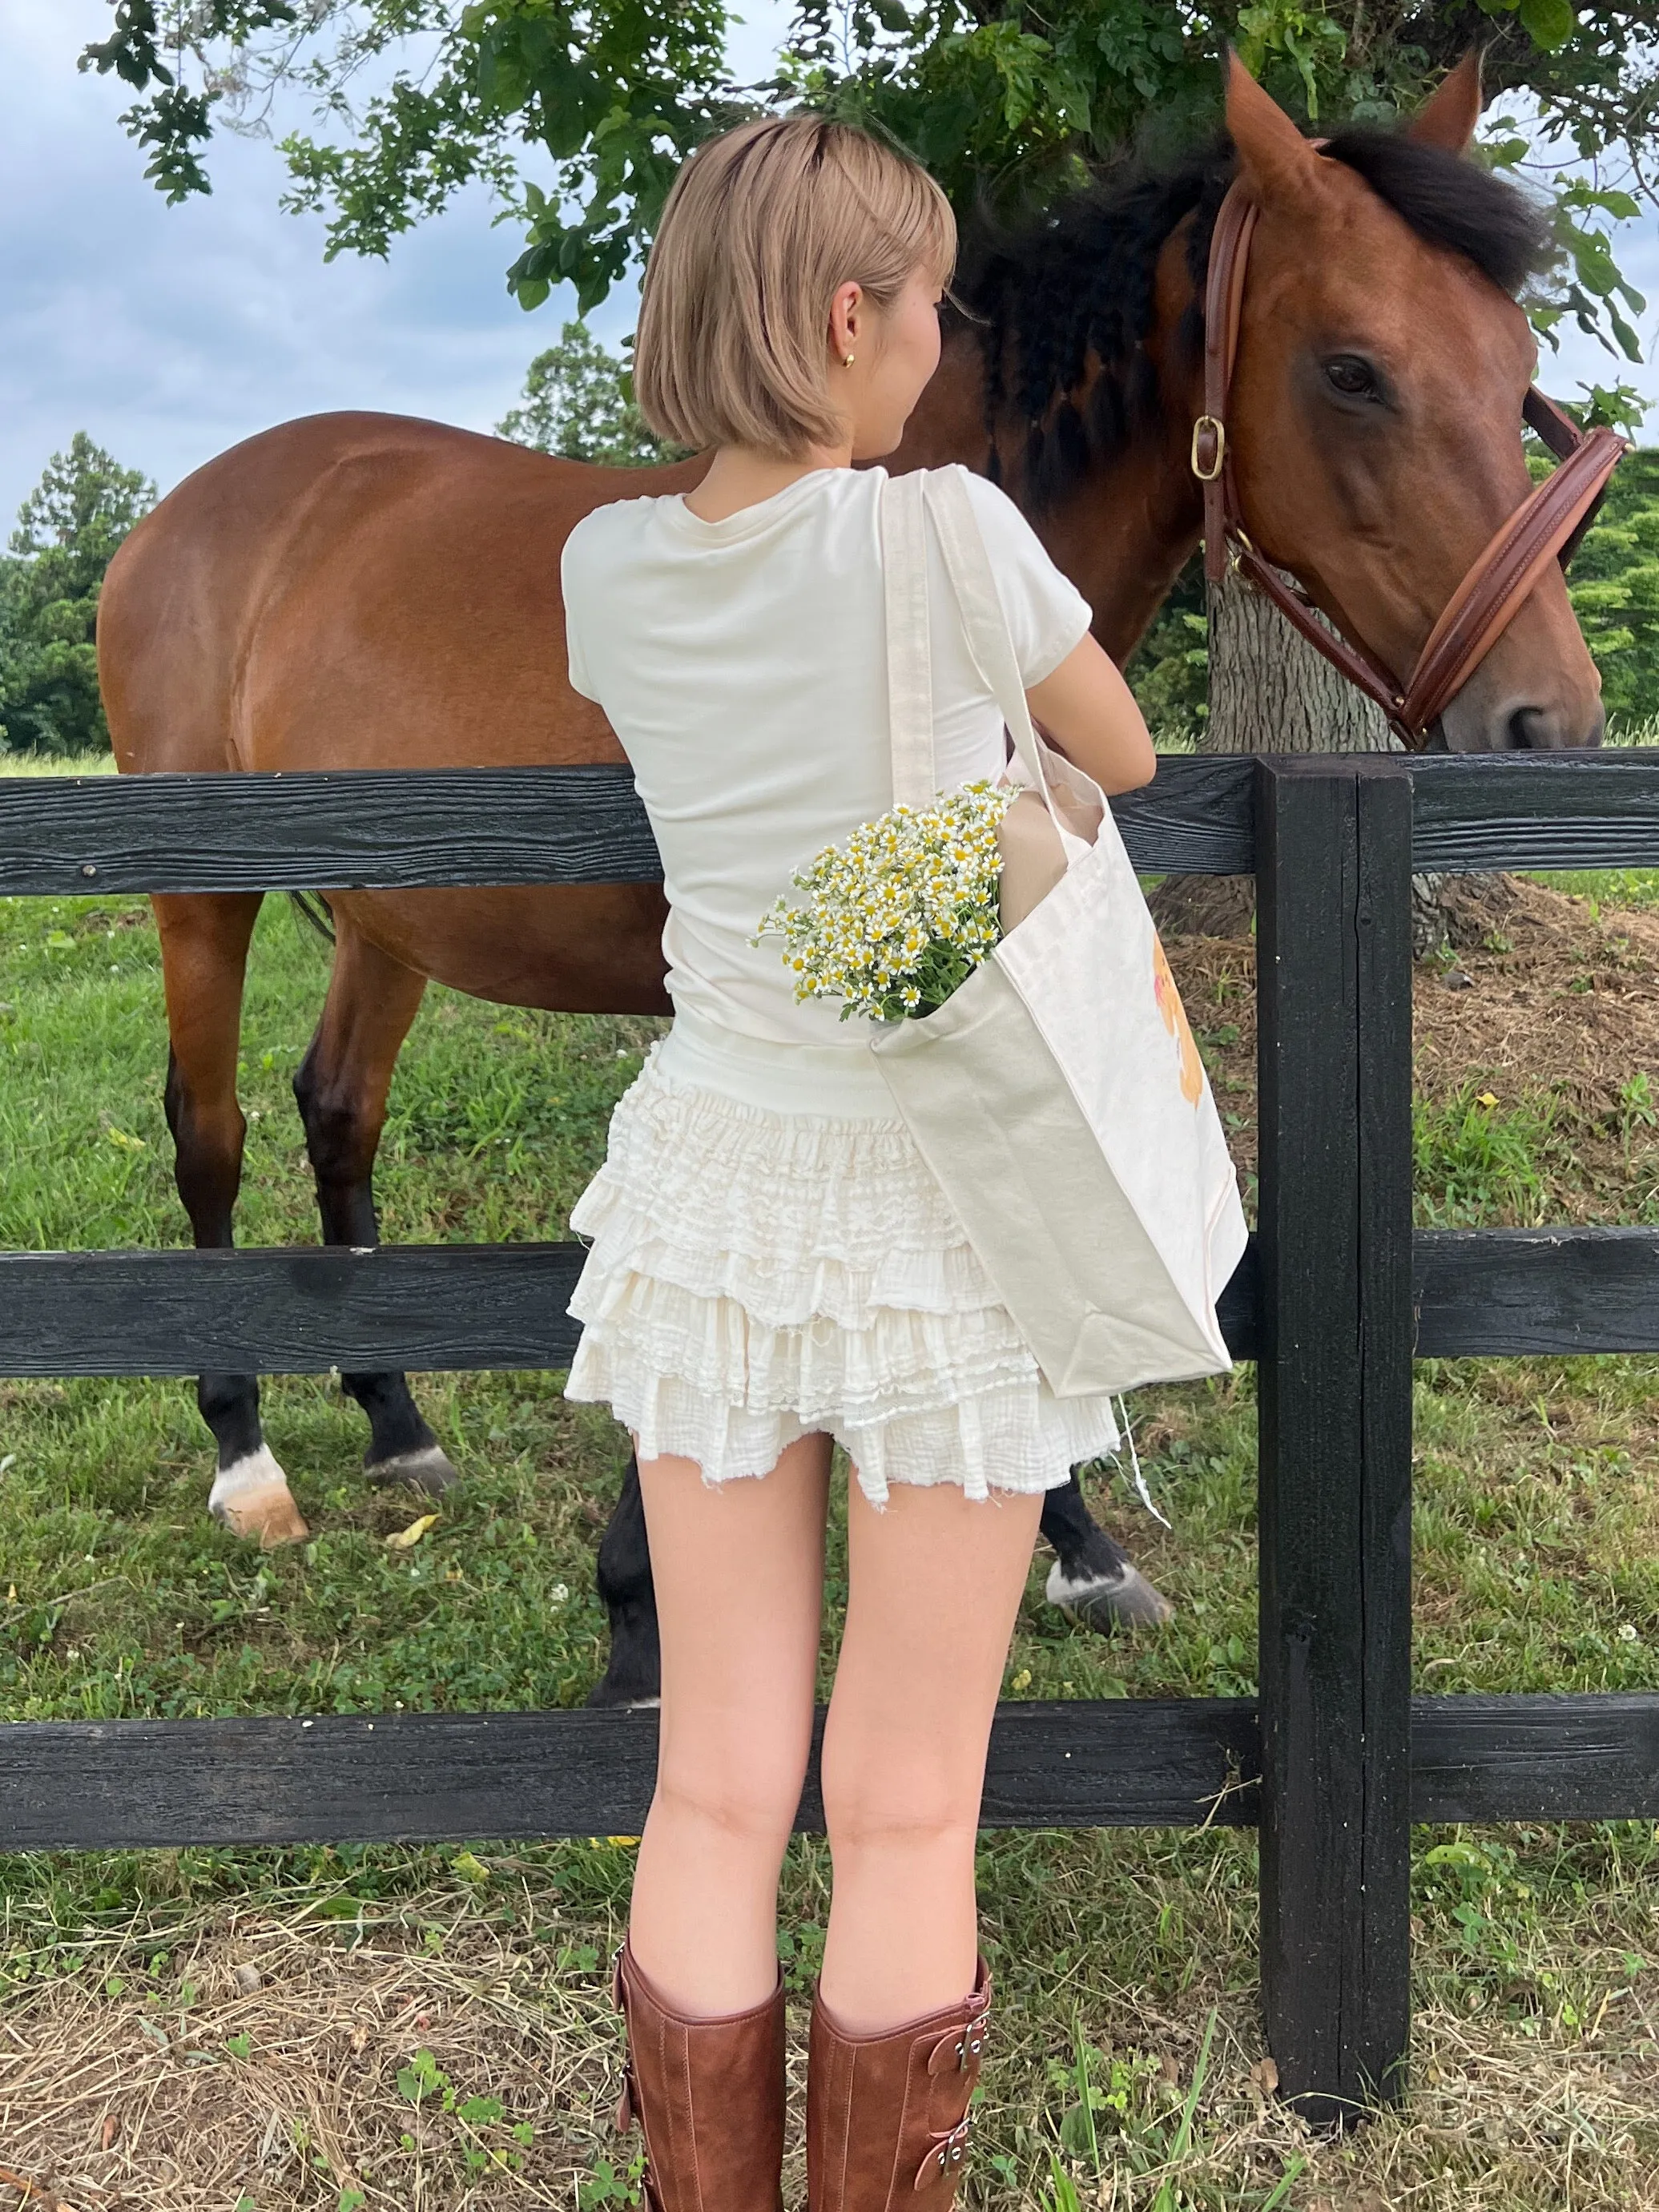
(434, 1777)
(1567, 809)
(1381, 1997)
(301, 1310)
(1196, 818)
(295, 1311)
(73, 1785)
(374, 827)
(381, 828)
(1576, 1758)
(1329, 921)
(1238, 1306)
(1481, 1293)
(347, 828)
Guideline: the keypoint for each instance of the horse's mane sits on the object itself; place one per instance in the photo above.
(1077, 281)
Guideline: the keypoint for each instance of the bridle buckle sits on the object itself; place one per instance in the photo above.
(1214, 433)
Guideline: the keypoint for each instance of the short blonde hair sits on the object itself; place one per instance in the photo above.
(762, 228)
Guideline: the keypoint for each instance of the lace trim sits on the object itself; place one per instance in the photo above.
(1017, 1437)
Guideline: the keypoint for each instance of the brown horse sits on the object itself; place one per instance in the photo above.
(360, 590)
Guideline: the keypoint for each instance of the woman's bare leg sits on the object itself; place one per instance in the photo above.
(740, 1580)
(934, 1585)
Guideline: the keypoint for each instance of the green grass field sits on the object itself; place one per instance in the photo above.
(1537, 1560)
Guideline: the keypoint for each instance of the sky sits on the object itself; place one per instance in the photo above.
(169, 333)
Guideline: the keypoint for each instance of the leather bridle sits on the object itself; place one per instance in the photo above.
(1547, 525)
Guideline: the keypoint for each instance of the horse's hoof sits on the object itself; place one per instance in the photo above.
(1125, 1600)
(251, 1498)
(606, 1698)
(431, 1469)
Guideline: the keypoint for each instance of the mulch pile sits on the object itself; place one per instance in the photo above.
(1543, 997)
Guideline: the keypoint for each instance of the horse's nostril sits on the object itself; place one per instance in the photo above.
(1531, 728)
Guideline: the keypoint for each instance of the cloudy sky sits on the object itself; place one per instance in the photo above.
(170, 332)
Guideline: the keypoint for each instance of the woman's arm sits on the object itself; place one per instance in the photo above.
(1089, 711)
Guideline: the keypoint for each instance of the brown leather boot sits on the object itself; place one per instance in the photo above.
(887, 2115)
(708, 2094)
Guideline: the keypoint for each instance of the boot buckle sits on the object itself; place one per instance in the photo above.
(945, 2155)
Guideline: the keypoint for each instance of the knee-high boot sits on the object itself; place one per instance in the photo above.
(708, 2094)
(887, 2115)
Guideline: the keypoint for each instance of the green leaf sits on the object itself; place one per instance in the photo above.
(1550, 23)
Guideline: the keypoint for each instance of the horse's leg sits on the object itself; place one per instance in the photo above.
(635, 1674)
(341, 1088)
(1092, 1578)
(205, 941)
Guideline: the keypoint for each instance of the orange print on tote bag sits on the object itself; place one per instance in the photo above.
(1083, 1154)
(1174, 1020)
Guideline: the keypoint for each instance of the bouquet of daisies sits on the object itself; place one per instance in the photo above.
(898, 918)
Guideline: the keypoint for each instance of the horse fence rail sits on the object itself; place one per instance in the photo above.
(1334, 1758)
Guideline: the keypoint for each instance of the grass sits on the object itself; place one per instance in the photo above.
(1131, 2071)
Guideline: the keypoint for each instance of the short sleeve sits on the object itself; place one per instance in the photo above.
(571, 587)
(1046, 614)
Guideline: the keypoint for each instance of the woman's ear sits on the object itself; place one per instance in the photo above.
(846, 320)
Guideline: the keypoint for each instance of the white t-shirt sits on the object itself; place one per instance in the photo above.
(742, 665)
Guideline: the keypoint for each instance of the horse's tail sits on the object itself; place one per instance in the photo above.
(313, 907)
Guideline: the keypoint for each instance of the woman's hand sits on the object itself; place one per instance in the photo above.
(1092, 715)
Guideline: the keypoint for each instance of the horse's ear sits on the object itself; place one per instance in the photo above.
(1449, 117)
(1277, 160)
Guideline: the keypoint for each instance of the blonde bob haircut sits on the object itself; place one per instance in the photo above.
(763, 227)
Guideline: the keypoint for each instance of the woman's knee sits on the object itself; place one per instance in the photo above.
(747, 1798)
(899, 1806)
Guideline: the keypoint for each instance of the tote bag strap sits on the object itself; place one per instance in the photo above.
(909, 658)
(968, 565)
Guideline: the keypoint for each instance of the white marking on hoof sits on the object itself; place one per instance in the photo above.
(251, 1498)
(1100, 1600)
(429, 1469)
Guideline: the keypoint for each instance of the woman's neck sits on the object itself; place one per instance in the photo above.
(740, 476)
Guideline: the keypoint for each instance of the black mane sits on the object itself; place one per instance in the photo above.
(1079, 281)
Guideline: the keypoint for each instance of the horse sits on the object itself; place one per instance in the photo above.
(365, 591)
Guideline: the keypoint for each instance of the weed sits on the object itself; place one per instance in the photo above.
(1128, 2123)
(1474, 1162)
(605, 2186)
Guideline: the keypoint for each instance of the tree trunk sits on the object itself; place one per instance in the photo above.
(1271, 692)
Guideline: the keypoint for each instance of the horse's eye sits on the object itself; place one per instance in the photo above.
(1351, 376)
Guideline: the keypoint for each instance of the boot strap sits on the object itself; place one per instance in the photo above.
(945, 2155)
(959, 2051)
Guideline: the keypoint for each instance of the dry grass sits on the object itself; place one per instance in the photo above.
(198, 2092)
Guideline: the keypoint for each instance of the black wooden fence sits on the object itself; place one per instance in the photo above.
(1335, 1760)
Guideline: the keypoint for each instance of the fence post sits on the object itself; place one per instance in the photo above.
(1333, 892)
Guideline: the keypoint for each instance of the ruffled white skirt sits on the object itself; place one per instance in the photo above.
(760, 1271)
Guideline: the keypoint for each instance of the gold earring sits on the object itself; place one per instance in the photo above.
(848, 360)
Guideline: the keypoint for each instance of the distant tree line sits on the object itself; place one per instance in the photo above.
(68, 529)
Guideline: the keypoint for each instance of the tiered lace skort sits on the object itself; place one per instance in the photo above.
(770, 1257)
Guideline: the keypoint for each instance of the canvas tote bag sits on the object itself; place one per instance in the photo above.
(1057, 1096)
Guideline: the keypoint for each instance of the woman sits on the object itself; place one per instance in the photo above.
(773, 1269)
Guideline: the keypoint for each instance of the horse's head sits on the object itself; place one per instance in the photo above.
(1375, 409)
